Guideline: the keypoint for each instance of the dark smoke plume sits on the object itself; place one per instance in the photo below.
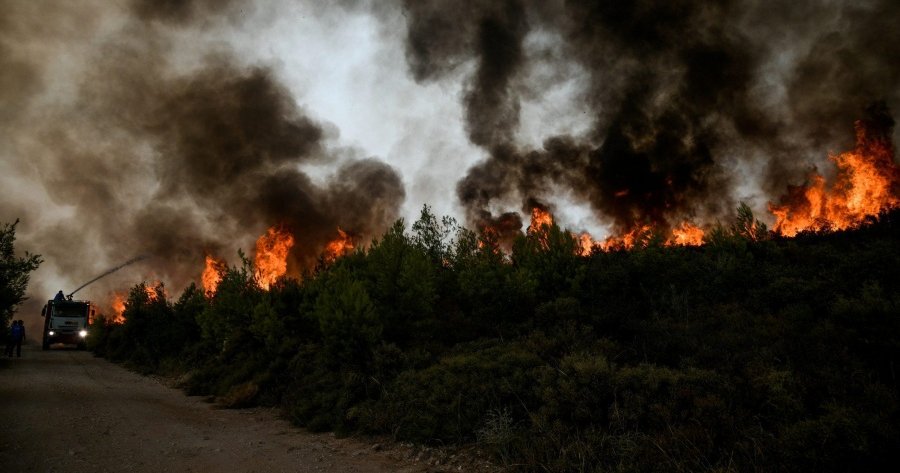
(133, 128)
(490, 113)
(177, 161)
(679, 92)
(229, 142)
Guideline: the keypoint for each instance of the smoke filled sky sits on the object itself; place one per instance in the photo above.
(177, 129)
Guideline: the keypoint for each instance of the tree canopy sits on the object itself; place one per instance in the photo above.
(14, 272)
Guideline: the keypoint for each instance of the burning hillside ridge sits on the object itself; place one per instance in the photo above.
(270, 261)
(641, 112)
(866, 183)
(686, 234)
(674, 118)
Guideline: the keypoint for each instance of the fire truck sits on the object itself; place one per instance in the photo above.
(67, 321)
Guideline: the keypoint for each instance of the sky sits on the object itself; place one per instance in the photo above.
(176, 129)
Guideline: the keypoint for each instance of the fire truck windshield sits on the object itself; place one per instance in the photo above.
(65, 310)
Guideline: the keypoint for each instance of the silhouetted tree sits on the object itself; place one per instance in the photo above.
(14, 272)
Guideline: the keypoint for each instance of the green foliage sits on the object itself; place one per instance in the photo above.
(157, 336)
(547, 261)
(750, 353)
(348, 321)
(402, 280)
(280, 320)
(432, 237)
(228, 314)
(449, 400)
(14, 272)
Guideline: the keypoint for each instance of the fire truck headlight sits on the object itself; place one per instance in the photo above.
(82, 333)
(51, 333)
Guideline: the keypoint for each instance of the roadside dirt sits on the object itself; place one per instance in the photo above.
(67, 411)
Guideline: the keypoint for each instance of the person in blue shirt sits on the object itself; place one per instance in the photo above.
(16, 337)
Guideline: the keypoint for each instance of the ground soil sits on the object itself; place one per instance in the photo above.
(66, 411)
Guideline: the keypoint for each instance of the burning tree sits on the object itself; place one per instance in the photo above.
(338, 247)
(212, 274)
(271, 255)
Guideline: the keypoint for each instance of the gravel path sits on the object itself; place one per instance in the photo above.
(67, 411)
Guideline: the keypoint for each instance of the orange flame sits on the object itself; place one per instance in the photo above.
(687, 234)
(489, 238)
(626, 241)
(338, 247)
(866, 184)
(539, 218)
(117, 302)
(585, 244)
(271, 256)
(151, 290)
(212, 275)
(118, 307)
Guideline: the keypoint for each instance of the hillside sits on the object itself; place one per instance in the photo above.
(752, 352)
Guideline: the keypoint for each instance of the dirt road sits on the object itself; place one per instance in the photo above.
(66, 411)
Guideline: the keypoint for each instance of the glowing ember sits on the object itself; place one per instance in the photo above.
(212, 275)
(687, 234)
(271, 256)
(866, 184)
(338, 247)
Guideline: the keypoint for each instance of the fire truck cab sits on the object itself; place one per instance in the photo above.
(67, 321)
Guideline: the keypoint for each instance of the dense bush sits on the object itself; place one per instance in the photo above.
(750, 353)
